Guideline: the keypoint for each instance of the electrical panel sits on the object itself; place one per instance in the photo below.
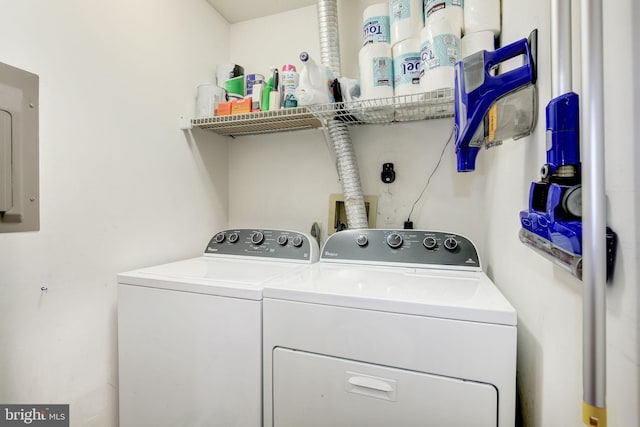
(19, 154)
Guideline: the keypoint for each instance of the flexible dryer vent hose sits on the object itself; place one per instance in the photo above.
(339, 136)
(329, 38)
(348, 174)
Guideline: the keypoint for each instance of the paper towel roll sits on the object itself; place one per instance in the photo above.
(207, 99)
(406, 67)
(375, 24)
(475, 42)
(376, 71)
(482, 15)
(406, 19)
(439, 51)
(451, 9)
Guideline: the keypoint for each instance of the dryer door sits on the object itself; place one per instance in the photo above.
(319, 391)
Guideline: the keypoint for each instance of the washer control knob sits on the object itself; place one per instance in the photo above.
(219, 238)
(257, 237)
(282, 239)
(297, 241)
(362, 240)
(394, 240)
(430, 242)
(450, 243)
(233, 237)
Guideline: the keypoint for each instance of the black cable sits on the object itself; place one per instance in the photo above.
(432, 173)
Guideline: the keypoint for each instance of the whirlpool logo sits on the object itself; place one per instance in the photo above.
(35, 415)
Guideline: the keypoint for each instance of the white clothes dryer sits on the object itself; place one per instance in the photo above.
(190, 332)
(390, 328)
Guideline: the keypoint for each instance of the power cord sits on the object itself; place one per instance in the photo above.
(409, 223)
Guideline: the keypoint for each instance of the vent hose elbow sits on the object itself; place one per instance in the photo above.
(339, 136)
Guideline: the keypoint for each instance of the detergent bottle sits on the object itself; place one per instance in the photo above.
(314, 86)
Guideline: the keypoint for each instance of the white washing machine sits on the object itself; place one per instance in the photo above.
(190, 332)
(390, 328)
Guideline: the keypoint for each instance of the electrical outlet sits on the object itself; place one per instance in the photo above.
(338, 214)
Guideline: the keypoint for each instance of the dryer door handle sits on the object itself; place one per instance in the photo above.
(372, 383)
(381, 388)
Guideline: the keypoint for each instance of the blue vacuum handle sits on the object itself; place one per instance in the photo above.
(511, 80)
(476, 103)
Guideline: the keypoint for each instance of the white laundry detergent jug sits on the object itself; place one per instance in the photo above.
(314, 84)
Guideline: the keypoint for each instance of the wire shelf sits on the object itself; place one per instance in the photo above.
(260, 122)
(422, 106)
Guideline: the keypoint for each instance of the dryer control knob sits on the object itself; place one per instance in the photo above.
(450, 243)
(430, 242)
(219, 238)
(297, 241)
(257, 237)
(362, 240)
(282, 239)
(394, 240)
(233, 237)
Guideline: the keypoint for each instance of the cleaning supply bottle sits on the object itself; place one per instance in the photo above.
(266, 94)
(315, 82)
(288, 85)
(274, 97)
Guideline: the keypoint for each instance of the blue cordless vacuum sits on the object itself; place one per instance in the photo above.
(490, 107)
(552, 225)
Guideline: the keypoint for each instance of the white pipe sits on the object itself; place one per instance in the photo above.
(594, 272)
(561, 78)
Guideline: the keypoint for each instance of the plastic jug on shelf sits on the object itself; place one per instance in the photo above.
(314, 85)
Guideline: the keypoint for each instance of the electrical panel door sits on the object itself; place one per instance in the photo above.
(19, 157)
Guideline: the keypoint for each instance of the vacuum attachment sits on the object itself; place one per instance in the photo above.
(490, 108)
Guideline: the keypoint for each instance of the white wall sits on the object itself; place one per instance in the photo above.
(285, 180)
(548, 300)
(272, 41)
(121, 186)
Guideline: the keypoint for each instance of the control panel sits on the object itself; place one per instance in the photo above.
(422, 248)
(261, 243)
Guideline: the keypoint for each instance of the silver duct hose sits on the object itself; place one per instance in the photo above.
(329, 39)
(349, 175)
(338, 132)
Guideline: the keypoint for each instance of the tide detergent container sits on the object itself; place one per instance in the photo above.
(314, 86)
